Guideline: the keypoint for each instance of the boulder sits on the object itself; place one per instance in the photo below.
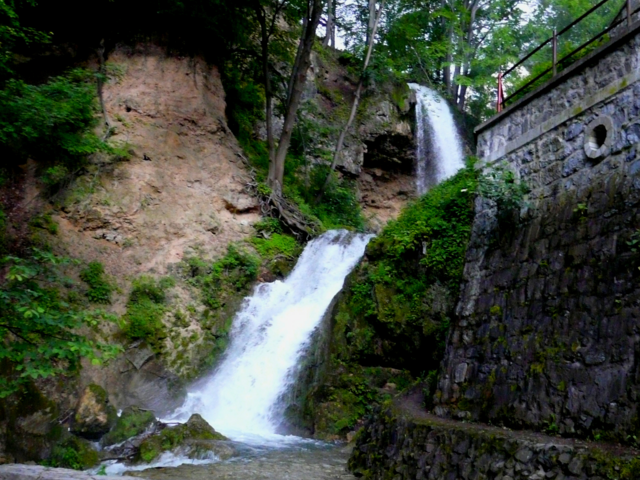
(132, 422)
(93, 416)
(240, 203)
(184, 437)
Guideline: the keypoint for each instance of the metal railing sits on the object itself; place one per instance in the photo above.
(564, 61)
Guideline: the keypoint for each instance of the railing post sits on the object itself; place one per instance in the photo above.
(629, 12)
(500, 93)
(555, 51)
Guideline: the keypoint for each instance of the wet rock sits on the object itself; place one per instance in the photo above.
(180, 437)
(36, 472)
(94, 416)
(133, 421)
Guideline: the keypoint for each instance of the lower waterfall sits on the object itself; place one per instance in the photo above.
(242, 397)
(439, 152)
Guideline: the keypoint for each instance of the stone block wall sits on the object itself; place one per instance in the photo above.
(390, 447)
(581, 86)
(548, 328)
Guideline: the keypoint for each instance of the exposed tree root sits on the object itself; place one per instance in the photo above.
(276, 206)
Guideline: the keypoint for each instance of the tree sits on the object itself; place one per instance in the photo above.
(311, 19)
(374, 20)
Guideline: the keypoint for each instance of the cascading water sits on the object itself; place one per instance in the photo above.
(268, 337)
(438, 146)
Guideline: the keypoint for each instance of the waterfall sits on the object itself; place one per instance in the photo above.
(438, 145)
(241, 398)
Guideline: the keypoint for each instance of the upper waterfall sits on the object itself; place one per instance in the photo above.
(268, 337)
(436, 134)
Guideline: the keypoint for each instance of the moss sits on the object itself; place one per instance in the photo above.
(74, 453)
(196, 428)
(400, 96)
(277, 244)
(133, 421)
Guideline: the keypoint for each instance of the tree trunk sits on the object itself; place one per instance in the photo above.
(298, 79)
(329, 36)
(268, 93)
(102, 75)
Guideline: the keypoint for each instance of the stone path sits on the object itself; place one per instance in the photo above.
(411, 408)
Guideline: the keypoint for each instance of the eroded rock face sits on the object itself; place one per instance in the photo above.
(179, 193)
(378, 150)
(94, 415)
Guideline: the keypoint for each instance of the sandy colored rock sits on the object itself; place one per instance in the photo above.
(93, 416)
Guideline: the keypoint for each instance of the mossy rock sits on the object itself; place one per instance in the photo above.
(74, 452)
(170, 438)
(132, 422)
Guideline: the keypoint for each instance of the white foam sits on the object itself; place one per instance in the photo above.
(242, 398)
(435, 124)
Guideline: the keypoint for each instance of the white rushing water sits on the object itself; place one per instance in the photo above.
(438, 145)
(269, 334)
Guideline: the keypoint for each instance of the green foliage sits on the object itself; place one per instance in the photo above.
(100, 288)
(634, 241)
(439, 224)
(339, 206)
(39, 329)
(51, 121)
(268, 226)
(503, 187)
(45, 222)
(397, 305)
(145, 309)
(232, 273)
(13, 34)
(277, 244)
(73, 453)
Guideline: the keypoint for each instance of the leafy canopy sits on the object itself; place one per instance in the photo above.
(42, 333)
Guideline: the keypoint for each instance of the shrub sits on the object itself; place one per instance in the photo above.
(100, 288)
(145, 309)
(503, 187)
(50, 121)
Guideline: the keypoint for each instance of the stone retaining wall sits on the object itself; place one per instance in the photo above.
(548, 329)
(391, 447)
